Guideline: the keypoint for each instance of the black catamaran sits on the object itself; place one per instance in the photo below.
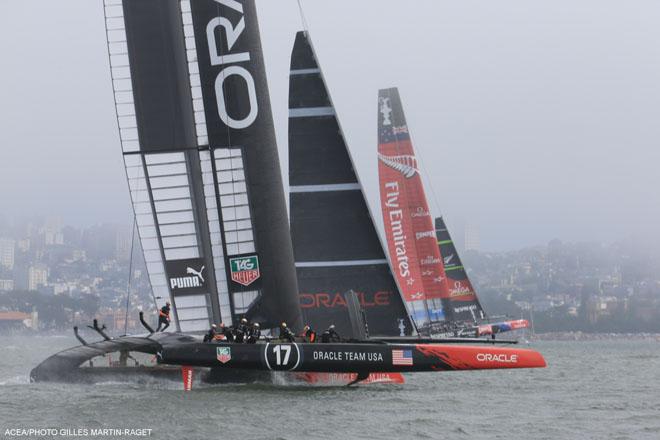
(198, 143)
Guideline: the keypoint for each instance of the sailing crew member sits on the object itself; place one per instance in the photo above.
(308, 334)
(226, 333)
(210, 336)
(285, 333)
(254, 334)
(240, 332)
(330, 335)
(164, 317)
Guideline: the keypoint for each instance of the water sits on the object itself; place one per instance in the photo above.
(590, 390)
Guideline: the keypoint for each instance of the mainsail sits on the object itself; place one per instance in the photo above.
(199, 147)
(335, 243)
(463, 304)
(408, 224)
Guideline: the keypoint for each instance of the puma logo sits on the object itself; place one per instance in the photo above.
(191, 271)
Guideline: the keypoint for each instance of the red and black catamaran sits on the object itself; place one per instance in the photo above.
(426, 263)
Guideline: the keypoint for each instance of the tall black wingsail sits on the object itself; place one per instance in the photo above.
(464, 305)
(335, 243)
(199, 148)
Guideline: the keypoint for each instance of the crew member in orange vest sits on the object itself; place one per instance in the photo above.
(164, 317)
(308, 334)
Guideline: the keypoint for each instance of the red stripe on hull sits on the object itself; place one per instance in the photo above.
(482, 358)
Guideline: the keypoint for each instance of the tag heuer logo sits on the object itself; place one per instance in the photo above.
(224, 354)
(244, 270)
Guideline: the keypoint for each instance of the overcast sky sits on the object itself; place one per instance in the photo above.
(534, 119)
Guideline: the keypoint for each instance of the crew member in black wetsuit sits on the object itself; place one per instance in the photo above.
(210, 336)
(330, 335)
(164, 317)
(285, 333)
(308, 334)
(254, 333)
(241, 331)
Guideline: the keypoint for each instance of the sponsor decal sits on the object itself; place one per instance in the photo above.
(420, 212)
(350, 356)
(492, 357)
(187, 374)
(385, 110)
(223, 354)
(463, 309)
(186, 275)
(405, 164)
(223, 54)
(395, 218)
(460, 289)
(400, 130)
(425, 234)
(327, 300)
(402, 357)
(429, 260)
(448, 259)
(244, 270)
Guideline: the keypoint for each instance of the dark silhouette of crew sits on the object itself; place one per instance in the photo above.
(285, 333)
(254, 333)
(164, 317)
(210, 335)
(330, 335)
(241, 331)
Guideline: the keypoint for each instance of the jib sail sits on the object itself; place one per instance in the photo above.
(408, 223)
(199, 147)
(463, 304)
(335, 243)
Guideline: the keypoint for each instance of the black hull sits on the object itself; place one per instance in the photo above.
(246, 363)
(360, 357)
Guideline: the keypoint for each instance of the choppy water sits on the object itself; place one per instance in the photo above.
(590, 390)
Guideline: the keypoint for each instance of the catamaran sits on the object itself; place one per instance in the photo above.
(198, 143)
(426, 263)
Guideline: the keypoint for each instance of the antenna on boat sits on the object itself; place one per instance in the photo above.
(302, 16)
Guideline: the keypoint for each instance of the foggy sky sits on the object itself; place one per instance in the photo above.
(534, 120)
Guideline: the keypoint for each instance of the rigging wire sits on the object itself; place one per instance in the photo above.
(302, 16)
(130, 273)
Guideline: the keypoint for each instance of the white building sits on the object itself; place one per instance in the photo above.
(37, 276)
(6, 285)
(7, 253)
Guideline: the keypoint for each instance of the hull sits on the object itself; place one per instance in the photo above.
(474, 331)
(350, 357)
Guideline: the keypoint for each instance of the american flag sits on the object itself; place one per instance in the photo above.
(402, 357)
